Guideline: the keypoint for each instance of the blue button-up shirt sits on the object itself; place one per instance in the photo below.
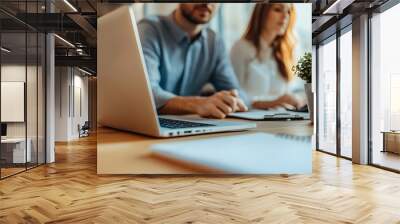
(177, 65)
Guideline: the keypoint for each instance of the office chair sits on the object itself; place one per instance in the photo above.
(84, 130)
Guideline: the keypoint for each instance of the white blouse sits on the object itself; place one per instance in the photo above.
(260, 78)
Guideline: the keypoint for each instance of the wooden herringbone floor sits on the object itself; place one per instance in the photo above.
(69, 191)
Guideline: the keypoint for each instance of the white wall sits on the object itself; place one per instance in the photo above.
(80, 111)
(16, 73)
(62, 81)
(71, 103)
(82, 82)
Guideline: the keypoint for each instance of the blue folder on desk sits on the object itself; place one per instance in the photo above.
(256, 153)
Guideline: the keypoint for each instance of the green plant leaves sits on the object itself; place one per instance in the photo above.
(304, 67)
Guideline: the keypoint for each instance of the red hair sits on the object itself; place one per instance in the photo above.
(283, 45)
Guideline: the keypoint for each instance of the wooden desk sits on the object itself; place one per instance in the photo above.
(128, 153)
(391, 141)
(14, 152)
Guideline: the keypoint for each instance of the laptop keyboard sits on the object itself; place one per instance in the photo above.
(175, 124)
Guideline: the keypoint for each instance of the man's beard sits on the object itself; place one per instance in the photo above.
(188, 15)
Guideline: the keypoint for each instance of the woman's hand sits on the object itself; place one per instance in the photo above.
(289, 100)
(285, 101)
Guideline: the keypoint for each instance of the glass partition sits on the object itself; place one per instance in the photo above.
(385, 89)
(346, 93)
(327, 96)
(13, 105)
(31, 99)
(41, 97)
(22, 88)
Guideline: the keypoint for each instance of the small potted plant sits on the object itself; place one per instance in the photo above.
(303, 71)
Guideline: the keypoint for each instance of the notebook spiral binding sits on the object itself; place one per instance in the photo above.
(295, 137)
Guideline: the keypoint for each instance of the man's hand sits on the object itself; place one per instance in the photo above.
(216, 106)
(220, 104)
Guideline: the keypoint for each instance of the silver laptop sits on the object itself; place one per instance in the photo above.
(125, 100)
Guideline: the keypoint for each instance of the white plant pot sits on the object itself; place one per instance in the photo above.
(310, 100)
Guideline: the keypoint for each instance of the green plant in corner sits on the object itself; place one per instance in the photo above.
(303, 67)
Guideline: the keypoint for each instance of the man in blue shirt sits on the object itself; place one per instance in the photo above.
(182, 54)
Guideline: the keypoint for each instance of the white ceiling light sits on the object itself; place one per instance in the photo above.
(84, 71)
(5, 50)
(79, 51)
(65, 41)
(70, 5)
(337, 7)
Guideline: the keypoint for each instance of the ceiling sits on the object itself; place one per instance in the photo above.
(75, 21)
(72, 20)
(330, 15)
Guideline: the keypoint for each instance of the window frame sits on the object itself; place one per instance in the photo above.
(334, 37)
(379, 10)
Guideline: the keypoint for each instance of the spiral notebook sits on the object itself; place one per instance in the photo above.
(256, 153)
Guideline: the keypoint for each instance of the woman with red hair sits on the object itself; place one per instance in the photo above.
(264, 56)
